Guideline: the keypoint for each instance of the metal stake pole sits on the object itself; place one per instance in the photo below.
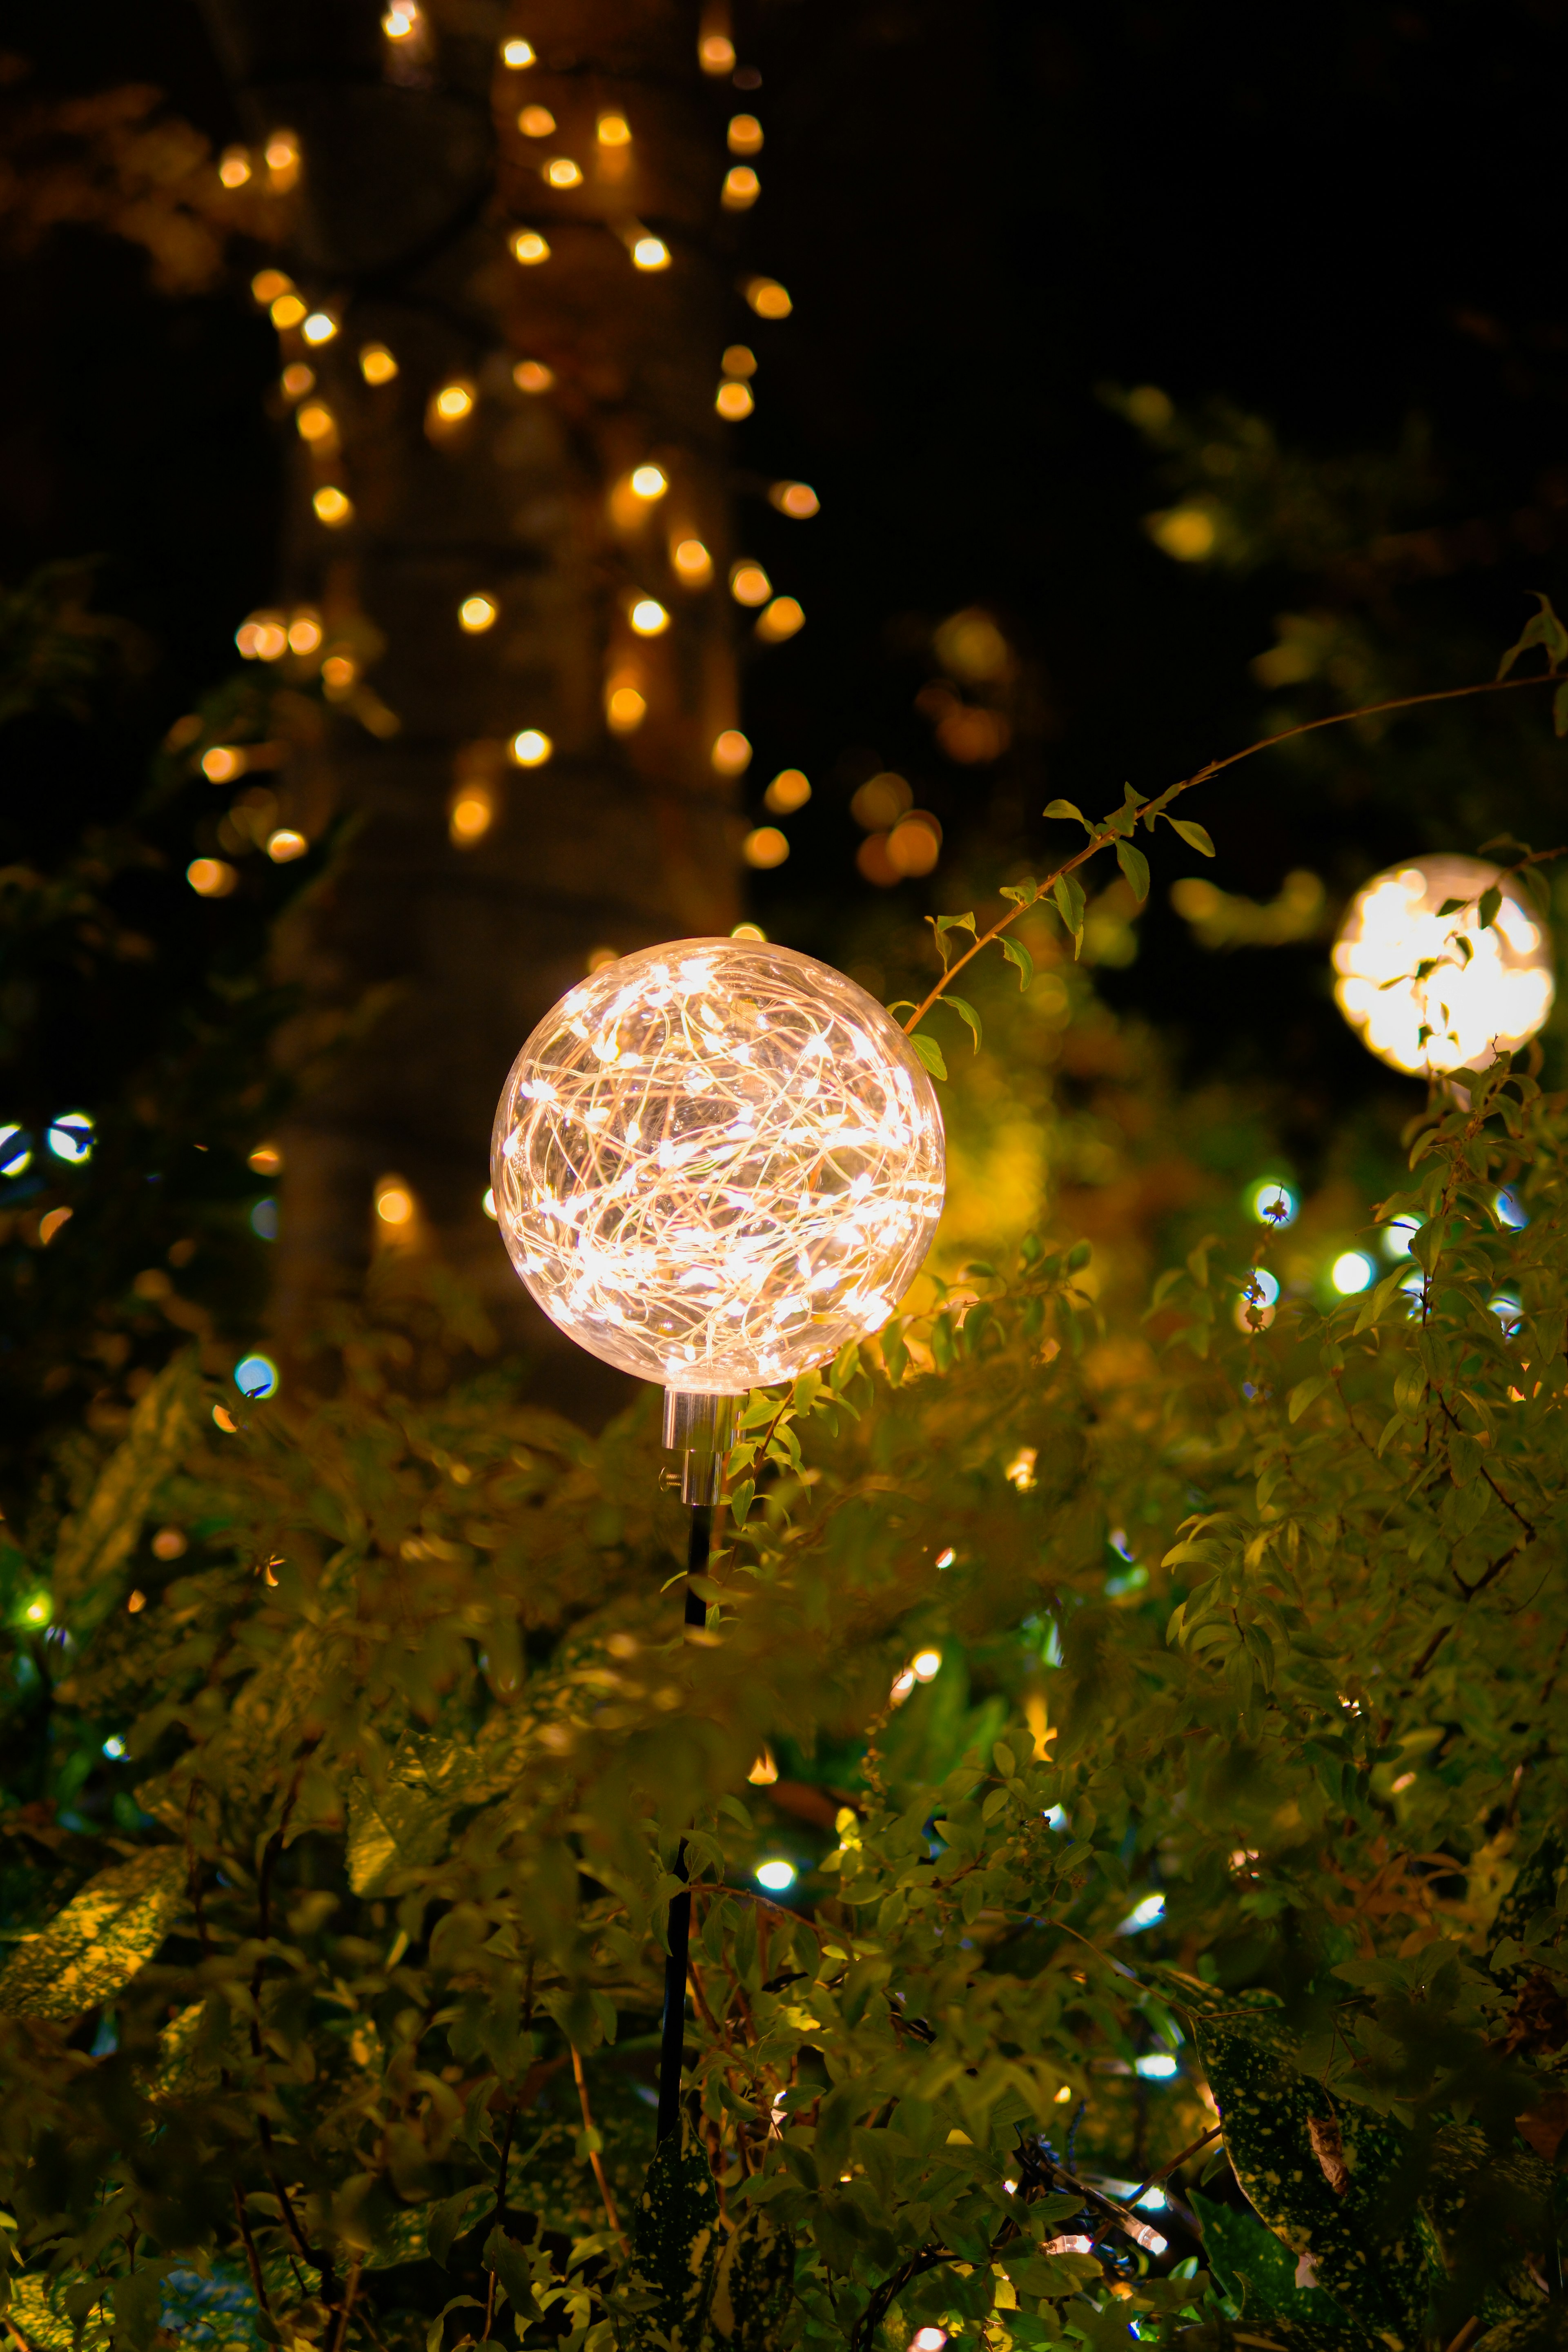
(673, 2032)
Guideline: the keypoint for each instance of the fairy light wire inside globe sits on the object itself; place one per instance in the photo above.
(1428, 991)
(715, 1162)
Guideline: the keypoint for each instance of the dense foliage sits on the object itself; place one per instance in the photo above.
(1153, 1697)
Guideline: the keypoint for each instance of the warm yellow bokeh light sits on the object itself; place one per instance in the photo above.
(268, 284)
(649, 482)
(914, 844)
(267, 1160)
(449, 406)
(285, 845)
(1187, 533)
(394, 1202)
(749, 583)
(530, 748)
(234, 166)
(651, 253)
(789, 791)
(314, 422)
(471, 815)
(741, 189)
(528, 247)
(319, 327)
(732, 753)
(716, 52)
(733, 401)
(881, 800)
(287, 312)
(739, 360)
(532, 376)
(223, 762)
(648, 617)
(796, 499)
(614, 130)
(563, 172)
(476, 613)
(376, 363)
(692, 562)
(536, 122)
(768, 299)
(333, 507)
(784, 617)
(264, 636)
(282, 151)
(305, 630)
(624, 708)
(297, 380)
(210, 877)
(745, 136)
(339, 672)
(764, 1771)
(516, 55)
(764, 846)
(1482, 991)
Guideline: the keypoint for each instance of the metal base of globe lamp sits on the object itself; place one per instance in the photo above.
(701, 1430)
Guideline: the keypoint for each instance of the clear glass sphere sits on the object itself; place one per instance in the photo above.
(715, 1162)
(1481, 992)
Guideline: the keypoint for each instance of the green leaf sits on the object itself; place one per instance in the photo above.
(1023, 894)
(1543, 628)
(1195, 835)
(966, 1012)
(1019, 955)
(1065, 809)
(1135, 866)
(751, 2283)
(1068, 898)
(674, 2232)
(1491, 901)
(1304, 1391)
(446, 2219)
(1255, 2270)
(138, 2307)
(92, 1950)
(104, 1532)
(930, 1053)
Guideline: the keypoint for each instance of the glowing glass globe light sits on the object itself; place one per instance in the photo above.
(1428, 991)
(716, 1162)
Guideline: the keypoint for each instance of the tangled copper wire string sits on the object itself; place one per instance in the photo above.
(715, 1162)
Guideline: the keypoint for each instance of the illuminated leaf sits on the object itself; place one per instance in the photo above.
(92, 1950)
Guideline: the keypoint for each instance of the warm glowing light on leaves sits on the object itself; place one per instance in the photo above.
(516, 55)
(394, 1202)
(764, 1771)
(716, 1162)
(211, 877)
(536, 122)
(333, 507)
(376, 363)
(476, 613)
(287, 843)
(528, 247)
(1427, 990)
(624, 708)
(651, 253)
(282, 151)
(532, 376)
(733, 401)
(716, 52)
(789, 791)
(768, 299)
(319, 328)
(731, 753)
(287, 312)
(234, 166)
(649, 482)
(741, 189)
(692, 562)
(531, 749)
(563, 172)
(749, 583)
(764, 846)
(648, 617)
(471, 815)
(782, 619)
(614, 130)
(796, 499)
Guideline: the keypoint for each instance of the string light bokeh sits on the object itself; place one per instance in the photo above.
(1431, 991)
(716, 1162)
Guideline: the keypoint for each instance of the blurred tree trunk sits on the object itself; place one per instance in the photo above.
(415, 177)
